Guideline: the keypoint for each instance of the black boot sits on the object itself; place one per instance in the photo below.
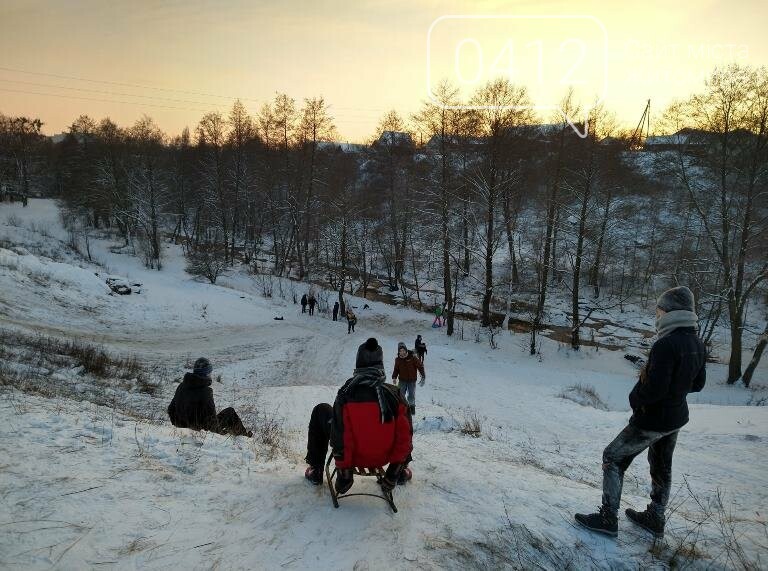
(314, 474)
(412, 409)
(649, 520)
(601, 522)
(344, 481)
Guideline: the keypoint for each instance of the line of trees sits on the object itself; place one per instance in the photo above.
(499, 213)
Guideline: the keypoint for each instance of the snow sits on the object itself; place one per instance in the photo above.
(85, 485)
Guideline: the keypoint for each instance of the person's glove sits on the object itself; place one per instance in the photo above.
(423, 380)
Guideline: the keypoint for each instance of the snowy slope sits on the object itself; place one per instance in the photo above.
(86, 486)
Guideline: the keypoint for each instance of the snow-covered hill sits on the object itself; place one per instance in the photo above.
(87, 485)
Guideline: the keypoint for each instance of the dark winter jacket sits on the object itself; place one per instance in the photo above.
(676, 367)
(312, 301)
(407, 368)
(421, 347)
(359, 438)
(192, 406)
(336, 308)
(304, 299)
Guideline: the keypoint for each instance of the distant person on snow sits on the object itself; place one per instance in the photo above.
(304, 303)
(368, 426)
(312, 303)
(351, 321)
(438, 316)
(336, 311)
(192, 406)
(406, 368)
(676, 366)
(420, 347)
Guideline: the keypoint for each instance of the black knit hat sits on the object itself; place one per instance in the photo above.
(369, 354)
(202, 367)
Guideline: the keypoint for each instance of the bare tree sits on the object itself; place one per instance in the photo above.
(502, 107)
(724, 166)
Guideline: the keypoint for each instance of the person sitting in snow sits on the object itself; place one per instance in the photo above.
(368, 426)
(676, 366)
(420, 347)
(192, 406)
(407, 366)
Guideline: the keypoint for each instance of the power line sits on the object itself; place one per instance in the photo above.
(137, 103)
(167, 89)
(101, 100)
(124, 84)
(118, 94)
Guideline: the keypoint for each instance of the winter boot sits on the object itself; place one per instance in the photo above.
(601, 522)
(314, 474)
(344, 481)
(412, 408)
(405, 476)
(650, 520)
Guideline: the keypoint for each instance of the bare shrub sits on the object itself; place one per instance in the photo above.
(472, 423)
(210, 263)
(269, 431)
(266, 283)
(13, 220)
(585, 395)
(710, 532)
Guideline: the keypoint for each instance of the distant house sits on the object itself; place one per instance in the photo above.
(61, 137)
(353, 148)
(394, 139)
(685, 138)
(434, 143)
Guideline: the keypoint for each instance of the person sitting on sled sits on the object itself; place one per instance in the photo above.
(368, 426)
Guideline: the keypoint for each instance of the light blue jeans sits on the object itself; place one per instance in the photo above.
(408, 390)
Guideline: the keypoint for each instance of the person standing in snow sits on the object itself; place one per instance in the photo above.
(676, 366)
(407, 366)
(438, 316)
(362, 435)
(420, 348)
(351, 321)
(312, 303)
(192, 405)
(304, 303)
(336, 311)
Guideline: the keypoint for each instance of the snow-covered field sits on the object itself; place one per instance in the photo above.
(90, 486)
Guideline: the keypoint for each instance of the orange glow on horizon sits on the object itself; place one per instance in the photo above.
(176, 62)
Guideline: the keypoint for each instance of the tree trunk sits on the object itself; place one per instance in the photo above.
(761, 343)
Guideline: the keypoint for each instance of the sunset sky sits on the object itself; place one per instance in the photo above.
(177, 60)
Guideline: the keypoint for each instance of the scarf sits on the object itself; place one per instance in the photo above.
(373, 377)
(672, 320)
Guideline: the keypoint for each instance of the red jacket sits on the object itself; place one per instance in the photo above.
(358, 436)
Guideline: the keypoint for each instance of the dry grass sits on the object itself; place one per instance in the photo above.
(74, 369)
(585, 395)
